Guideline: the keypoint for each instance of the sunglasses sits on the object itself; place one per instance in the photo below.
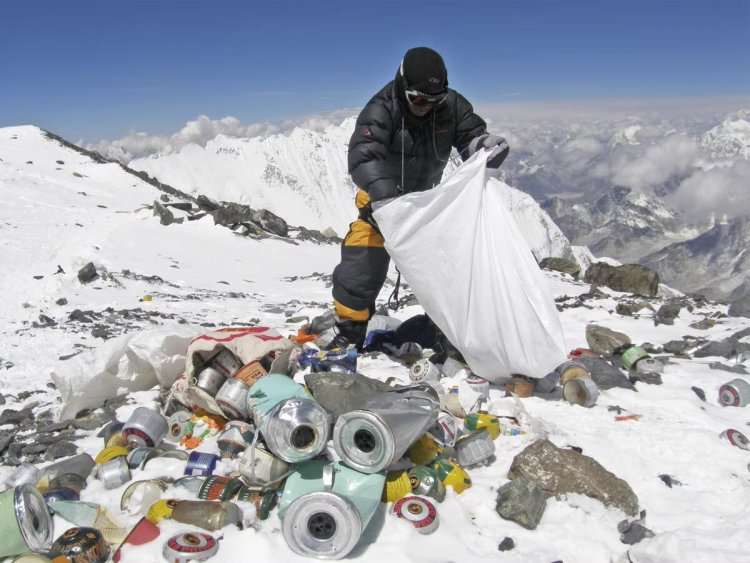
(420, 99)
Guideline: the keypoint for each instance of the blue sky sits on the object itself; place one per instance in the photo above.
(97, 69)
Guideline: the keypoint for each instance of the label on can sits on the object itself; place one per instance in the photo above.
(191, 546)
(631, 356)
(138, 438)
(452, 474)
(82, 545)
(250, 373)
(424, 481)
(226, 363)
(200, 463)
(108, 454)
(161, 509)
(264, 500)
(736, 438)
(424, 450)
(218, 487)
(483, 419)
(418, 511)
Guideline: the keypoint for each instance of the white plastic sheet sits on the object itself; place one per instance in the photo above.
(467, 262)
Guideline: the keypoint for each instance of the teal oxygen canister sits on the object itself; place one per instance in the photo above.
(25, 523)
(326, 506)
(294, 426)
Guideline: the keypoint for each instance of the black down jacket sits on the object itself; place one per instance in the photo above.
(393, 152)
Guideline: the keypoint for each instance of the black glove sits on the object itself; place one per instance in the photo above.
(500, 150)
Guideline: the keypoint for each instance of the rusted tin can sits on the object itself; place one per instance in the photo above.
(452, 474)
(261, 467)
(232, 398)
(210, 380)
(226, 363)
(735, 393)
(201, 463)
(424, 482)
(397, 486)
(475, 447)
(377, 434)
(419, 512)
(736, 438)
(145, 428)
(190, 546)
(445, 429)
(178, 426)
(139, 496)
(424, 370)
(25, 522)
(108, 454)
(82, 545)
(519, 387)
(114, 473)
(218, 487)
(264, 500)
(70, 481)
(250, 373)
(208, 514)
(235, 438)
(571, 370)
(23, 474)
(583, 392)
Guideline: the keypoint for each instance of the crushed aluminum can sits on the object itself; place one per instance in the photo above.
(632, 356)
(424, 450)
(218, 487)
(397, 486)
(226, 363)
(377, 434)
(424, 370)
(145, 427)
(264, 500)
(108, 454)
(23, 474)
(82, 545)
(445, 429)
(474, 448)
(190, 546)
(208, 514)
(232, 398)
(519, 387)
(24, 520)
(58, 494)
(294, 426)
(156, 453)
(178, 426)
(201, 463)
(261, 467)
(142, 533)
(452, 474)
(162, 510)
(419, 512)
(136, 456)
(250, 373)
(114, 473)
(424, 482)
(70, 481)
(210, 380)
(571, 369)
(736, 438)
(235, 438)
(735, 393)
(139, 496)
(583, 392)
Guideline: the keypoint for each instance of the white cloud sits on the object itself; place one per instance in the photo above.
(674, 156)
(720, 190)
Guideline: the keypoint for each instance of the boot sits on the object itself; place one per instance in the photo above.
(347, 333)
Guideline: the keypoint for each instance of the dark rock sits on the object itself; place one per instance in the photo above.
(605, 374)
(60, 449)
(11, 416)
(87, 273)
(727, 348)
(605, 341)
(667, 313)
(669, 481)
(5, 364)
(506, 545)
(700, 392)
(318, 237)
(593, 293)
(634, 531)
(166, 217)
(736, 368)
(101, 331)
(92, 420)
(2, 399)
(650, 378)
(5, 439)
(630, 278)
(81, 316)
(678, 347)
(181, 205)
(561, 265)
(33, 449)
(23, 395)
(54, 426)
(343, 394)
(561, 471)
(47, 321)
(704, 324)
(522, 501)
(61, 301)
(271, 222)
(739, 305)
(164, 197)
(652, 348)
(630, 308)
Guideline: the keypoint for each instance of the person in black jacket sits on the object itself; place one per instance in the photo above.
(401, 143)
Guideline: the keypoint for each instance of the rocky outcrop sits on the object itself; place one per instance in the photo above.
(630, 278)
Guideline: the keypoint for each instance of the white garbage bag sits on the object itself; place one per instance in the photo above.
(471, 270)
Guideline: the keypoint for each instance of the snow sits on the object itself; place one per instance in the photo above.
(211, 275)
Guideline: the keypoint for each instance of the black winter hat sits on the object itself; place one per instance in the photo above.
(424, 70)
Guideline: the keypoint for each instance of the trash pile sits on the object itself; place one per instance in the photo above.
(324, 455)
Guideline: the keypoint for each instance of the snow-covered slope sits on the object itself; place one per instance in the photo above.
(729, 139)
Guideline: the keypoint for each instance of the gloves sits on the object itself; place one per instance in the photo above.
(497, 144)
(365, 213)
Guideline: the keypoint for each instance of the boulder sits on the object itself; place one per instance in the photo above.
(605, 341)
(521, 501)
(560, 471)
(605, 374)
(704, 324)
(166, 217)
(87, 273)
(667, 313)
(630, 308)
(561, 265)
(630, 278)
